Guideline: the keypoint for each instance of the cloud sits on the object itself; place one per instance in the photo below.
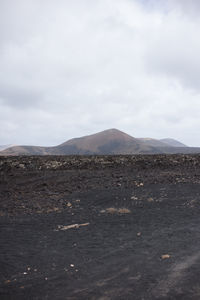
(179, 6)
(174, 53)
(191, 7)
(70, 68)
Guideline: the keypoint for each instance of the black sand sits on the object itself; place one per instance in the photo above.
(137, 234)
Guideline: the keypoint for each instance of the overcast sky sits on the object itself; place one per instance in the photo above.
(72, 68)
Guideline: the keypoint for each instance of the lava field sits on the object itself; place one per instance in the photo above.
(100, 227)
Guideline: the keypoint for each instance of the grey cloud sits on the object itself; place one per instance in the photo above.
(191, 6)
(20, 98)
(174, 53)
(188, 7)
(70, 68)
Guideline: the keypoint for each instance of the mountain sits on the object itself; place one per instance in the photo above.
(108, 142)
(95, 142)
(3, 147)
(153, 142)
(172, 142)
(111, 141)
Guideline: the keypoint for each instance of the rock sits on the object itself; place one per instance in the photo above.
(165, 256)
(150, 199)
(22, 166)
(7, 281)
(134, 198)
(113, 210)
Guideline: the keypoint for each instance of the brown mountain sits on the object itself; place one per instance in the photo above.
(111, 141)
(108, 142)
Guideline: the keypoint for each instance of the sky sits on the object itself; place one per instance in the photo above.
(73, 68)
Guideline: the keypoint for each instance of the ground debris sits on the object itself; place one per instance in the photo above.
(7, 281)
(165, 256)
(150, 199)
(138, 184)
(134, 198)
(113, 210)
(66, 227)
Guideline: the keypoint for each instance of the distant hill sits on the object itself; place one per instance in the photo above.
(108, 142)
(3, 147)
(153, 142)
(173, 143)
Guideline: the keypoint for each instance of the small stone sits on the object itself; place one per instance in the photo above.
(72, 266)
(150, 199)
(165, 256)
(21, 166)
(7, 281)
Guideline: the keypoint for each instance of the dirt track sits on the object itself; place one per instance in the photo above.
(123, 227)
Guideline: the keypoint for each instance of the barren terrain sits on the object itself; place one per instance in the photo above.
(100, 227)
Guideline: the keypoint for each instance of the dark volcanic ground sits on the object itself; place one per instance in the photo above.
(137, 234)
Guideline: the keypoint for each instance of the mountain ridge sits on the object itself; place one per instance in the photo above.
(107, 142)
(173, 142)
